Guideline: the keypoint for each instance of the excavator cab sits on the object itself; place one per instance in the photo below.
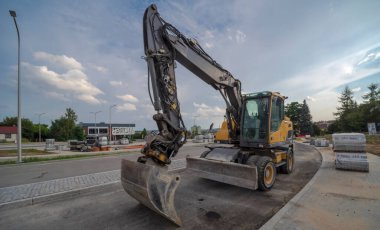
(263, 123)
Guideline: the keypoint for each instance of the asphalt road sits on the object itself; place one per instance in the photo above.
(201, 204)
(37, 172)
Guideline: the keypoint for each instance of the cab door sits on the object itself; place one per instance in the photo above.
(276, 120)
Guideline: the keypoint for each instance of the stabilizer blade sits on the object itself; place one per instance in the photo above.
(227, 172)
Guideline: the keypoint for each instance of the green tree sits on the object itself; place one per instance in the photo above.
(333, 128)
(346, 102)
(45, 132)
(305, 119)
(371, 105)
(292, 111)
(316, 130)
(26, 126)
(373, 95)
(143, 133)
(64, 128)
(57, 129)
(348, 114)
(78, 133)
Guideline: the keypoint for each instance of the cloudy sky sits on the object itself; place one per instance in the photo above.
(87, 55)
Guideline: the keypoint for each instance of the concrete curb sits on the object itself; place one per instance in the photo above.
(269, 225)
(60, 195)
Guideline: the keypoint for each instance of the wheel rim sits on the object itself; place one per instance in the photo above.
(269, 174)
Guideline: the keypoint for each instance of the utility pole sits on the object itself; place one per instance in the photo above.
(110, 125)
(39, 126)
(195, 128)
(95, 119)
(19, 132)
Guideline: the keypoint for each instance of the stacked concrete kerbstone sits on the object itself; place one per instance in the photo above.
(350, 152)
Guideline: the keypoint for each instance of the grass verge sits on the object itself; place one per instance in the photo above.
(42, 159)
(26, 152)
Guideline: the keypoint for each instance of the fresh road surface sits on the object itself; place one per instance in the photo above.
(201, 203)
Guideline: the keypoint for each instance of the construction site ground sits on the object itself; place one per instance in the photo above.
(334, 199)
(87, 194)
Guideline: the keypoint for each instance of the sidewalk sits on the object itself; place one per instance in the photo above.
(29, 194)
(334, 199)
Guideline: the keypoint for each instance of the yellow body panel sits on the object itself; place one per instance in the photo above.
(282, 133)
(221, 136)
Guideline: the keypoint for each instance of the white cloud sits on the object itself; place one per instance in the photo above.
(90, 99)
(116, 83)
(240, 37)
(59, 96)
(209, 45)
(74, 82)
(207, 111)
(101, 69)
(126, 107)
(370, 57)
(310, 98)
(357, 89)
(59, 60)
(128, 97)
(323, 108)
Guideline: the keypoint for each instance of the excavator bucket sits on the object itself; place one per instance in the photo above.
(152, 186)
(223, 171)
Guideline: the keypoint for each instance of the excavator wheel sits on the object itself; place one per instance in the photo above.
(288, 167)
(252, 160)
(267, 173)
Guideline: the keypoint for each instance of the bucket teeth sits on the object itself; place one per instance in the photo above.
(152, 186)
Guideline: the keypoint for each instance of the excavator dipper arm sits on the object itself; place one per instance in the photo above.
(164, 45)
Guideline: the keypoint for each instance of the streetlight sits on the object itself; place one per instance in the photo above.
(95, 119)
(19, 134)
(195, 128)
(39, 126)
(112, 106)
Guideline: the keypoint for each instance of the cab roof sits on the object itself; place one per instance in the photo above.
(263, 94)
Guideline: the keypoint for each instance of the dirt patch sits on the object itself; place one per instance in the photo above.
(373, 148)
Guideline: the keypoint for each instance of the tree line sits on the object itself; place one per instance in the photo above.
(350, 116)
(61, 129)
(354, 117)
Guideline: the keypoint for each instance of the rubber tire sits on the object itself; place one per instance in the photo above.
(252, 160)
(262, 164)
(285, 169)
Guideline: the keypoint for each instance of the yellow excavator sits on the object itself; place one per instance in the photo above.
(221, 136)
(261, 136)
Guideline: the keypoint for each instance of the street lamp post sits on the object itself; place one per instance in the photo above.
(110, 130)
(39, 126)
(95, 118)
(19, 134)
(195, 128)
